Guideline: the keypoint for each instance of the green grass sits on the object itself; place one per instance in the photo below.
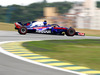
(79, 52)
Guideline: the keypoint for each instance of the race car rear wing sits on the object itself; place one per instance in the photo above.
(18, 25)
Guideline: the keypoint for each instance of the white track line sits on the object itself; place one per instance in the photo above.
(33, 62)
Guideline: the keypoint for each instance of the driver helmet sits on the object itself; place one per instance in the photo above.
(45, 22)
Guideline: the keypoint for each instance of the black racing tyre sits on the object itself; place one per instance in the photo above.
(70, 32)
(22, 30)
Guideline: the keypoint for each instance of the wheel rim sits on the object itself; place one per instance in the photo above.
(71, 32)
(23, 30)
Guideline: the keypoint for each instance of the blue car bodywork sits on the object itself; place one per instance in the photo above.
(43, 27)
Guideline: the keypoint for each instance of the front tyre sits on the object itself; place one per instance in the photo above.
(22, 30)
(70, 32)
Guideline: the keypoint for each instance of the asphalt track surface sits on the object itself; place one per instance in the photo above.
(12, 66)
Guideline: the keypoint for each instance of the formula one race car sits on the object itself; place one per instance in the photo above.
(43, 27)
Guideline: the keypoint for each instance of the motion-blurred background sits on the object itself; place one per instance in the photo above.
(80, 14)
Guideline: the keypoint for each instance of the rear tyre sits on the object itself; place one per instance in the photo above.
(70, 32)
(22, 30)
